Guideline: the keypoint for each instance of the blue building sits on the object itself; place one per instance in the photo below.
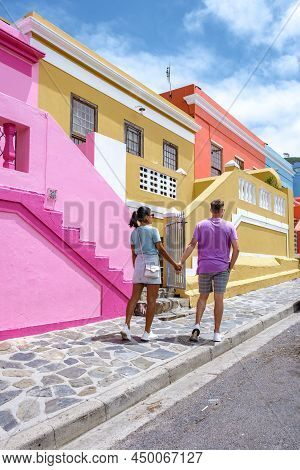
(283, 167)
(295, 162)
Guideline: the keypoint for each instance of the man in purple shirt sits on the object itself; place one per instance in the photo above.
(215, 237)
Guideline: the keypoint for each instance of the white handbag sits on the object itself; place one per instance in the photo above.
(151, 270)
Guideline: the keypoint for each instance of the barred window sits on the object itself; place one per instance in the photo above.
(216, 160)
(134, 139)
(240, 163)
(83, 118)
(170, 155)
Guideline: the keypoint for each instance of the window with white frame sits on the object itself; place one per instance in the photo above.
(216, 160)
(134, 139)
(279, 205)
(265, 199)
(170, 155)
(247, 191)
(158, 183)
(240, 162)
(83, 118)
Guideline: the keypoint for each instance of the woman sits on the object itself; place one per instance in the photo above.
(145, 245)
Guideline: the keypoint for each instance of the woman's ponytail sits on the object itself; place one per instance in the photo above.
(139, 216)
(134, 220)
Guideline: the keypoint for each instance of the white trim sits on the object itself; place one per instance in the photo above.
(158, 211)
(216, 144)
(277, 162)
(31, 24)
(75, 70)
(240, 158)
(260, 221)
(220, 117)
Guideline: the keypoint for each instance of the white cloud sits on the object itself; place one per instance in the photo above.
(260, 21)
(271, 111)
(285, 66)
(241, 17)
(186, 66)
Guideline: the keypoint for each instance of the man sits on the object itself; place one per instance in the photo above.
(215, 237)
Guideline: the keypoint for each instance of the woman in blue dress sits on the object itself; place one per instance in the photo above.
(145, 245)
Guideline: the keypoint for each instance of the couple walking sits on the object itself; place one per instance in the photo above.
(215, 238)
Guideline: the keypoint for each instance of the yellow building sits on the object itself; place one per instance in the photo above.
(85, 93)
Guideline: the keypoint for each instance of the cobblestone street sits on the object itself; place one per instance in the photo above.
(42, 375)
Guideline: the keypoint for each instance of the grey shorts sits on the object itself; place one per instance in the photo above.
(217, 282)
(139, 269)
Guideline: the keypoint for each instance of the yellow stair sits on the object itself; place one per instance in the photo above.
(250, 273)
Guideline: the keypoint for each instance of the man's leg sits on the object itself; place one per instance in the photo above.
(220, 282)
(205, 287)
(218, 310)
(201, 305)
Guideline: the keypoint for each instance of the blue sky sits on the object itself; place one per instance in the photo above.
(217, 44)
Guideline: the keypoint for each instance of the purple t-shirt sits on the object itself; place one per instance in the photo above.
(214, 238)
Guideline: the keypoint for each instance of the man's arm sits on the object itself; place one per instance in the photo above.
(235, 253)
(160, 247)
(189, 250)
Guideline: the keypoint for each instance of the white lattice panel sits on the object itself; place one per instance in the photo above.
(247, 191)
(265, 199)
(279, 205)
(158, 183)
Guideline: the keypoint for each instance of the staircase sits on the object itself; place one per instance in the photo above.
(29, 206)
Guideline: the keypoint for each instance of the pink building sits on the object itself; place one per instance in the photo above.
(64, 238)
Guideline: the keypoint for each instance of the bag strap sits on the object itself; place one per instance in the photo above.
(140, 244)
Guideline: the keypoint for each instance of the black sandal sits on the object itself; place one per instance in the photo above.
(194, 335)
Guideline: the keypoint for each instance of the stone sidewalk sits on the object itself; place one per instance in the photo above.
(43, 375)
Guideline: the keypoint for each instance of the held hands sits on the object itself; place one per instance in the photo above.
(178, 267)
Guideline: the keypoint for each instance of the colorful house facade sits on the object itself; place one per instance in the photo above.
(83, 144)
(282, 166)
(295, 162)
(159, 138)
(221, 138)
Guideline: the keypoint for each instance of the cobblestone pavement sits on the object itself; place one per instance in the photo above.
(43, 375)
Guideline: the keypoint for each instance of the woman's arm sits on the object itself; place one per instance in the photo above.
(133, 255)
(160, 247)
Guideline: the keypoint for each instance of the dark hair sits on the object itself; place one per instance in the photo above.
(139, 215)
(216, 205)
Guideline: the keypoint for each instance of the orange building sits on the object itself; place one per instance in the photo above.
(221, 138)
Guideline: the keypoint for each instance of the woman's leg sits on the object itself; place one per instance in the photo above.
(152, 293)
(135, 296)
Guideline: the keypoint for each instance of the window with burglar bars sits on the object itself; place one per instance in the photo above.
(216, 160)
(83, 118)
(134, 139)
(170, 155)
(240, 163)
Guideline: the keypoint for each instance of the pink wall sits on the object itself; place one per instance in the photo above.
(87, 200)
(46, 283)
(18, 65)
(38, 284)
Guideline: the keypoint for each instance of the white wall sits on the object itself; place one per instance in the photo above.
(110, 162)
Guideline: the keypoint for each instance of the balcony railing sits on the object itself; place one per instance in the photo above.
(8, 142)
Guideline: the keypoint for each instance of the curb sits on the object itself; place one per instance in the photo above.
(81, 418)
